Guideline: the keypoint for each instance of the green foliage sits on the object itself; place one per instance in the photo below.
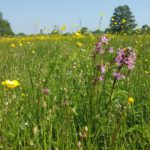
(32, 120)
(146, 29)
(55, 31)
(5, 28)
(84, 30)
(122, 20)
(97, 32)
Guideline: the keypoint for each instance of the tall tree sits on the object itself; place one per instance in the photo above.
(122, 20)
(5, 28)
(146, 29)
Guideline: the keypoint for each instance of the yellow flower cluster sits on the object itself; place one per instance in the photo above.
(11, 84)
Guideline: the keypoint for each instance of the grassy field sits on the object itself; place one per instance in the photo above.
(58, 106)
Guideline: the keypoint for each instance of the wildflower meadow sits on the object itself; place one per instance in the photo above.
(75, 92)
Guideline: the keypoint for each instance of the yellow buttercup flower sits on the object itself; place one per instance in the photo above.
(10, 84)
(13, 45)
(77, 34)
(130, 100)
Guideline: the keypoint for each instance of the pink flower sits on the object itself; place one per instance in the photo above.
(127, 57)
(98, 45)
(130, 60)
(118, 76)
(45, 91)
(111, 49)
(101, 78)
(120, 57)
(99, 48)
(103, 69)
(104, 39)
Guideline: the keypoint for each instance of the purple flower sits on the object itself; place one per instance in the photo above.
(118, 76)
(98, 45)
(111, 49)
(99, 48)
(127, 57)
(104, 39)
(130, 60)
(101, 78)
(120, 57)
(103, 69)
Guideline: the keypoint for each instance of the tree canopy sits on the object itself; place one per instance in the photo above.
(5, 28)
(122, 20)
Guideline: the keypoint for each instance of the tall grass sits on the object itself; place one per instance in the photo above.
(72, 113)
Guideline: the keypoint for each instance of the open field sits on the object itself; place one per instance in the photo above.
(56, 104)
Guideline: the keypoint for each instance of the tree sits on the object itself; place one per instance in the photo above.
(97, 32)
(56, 30)
(84, 30)
(146, 29)
(5, 28)
(122, 20)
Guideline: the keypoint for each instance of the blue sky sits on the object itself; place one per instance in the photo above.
(29, 16)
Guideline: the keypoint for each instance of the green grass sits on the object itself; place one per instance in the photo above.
(32, 120)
